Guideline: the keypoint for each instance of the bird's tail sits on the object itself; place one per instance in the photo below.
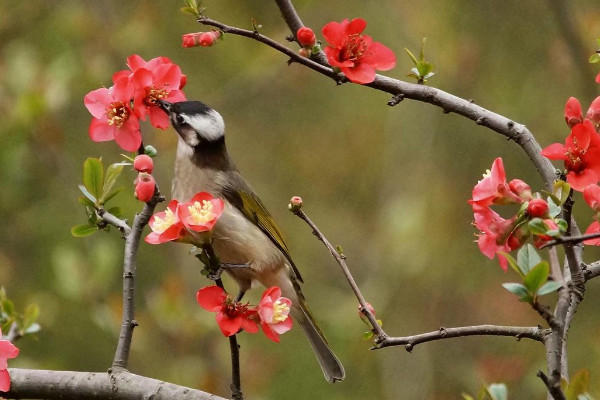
(331, 366)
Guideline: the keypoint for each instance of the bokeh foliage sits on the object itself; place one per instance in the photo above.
(389, 184)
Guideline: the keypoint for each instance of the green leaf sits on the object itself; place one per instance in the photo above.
(516, 288)
(30, 315)
(513, 264)
(579, 385)
(112, 173)
(188, 10)
(87, 194)
(85, 201)
(553, 209)
(537, 276)
(562, 224)
(467, 396)
(412, 56)
(498, 391)
(594, 58)
(93, 176)
(527, 258)
(8, 307)
(83, 230)
(561, 190)
(33, 328)
(548, 287)
(115, 192)
(367, 335)
(537, 226)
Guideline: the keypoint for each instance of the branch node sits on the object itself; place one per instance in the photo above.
(481, 121)
(397, 98)
(134, 323)
(290, 38)
(443, 331)
(409, 347)
(510, 124)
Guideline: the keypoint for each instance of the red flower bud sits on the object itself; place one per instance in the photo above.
(143, 163)
(144, 187)
(295, 204)
(189, 40)
(572, 112)
(520, 188)
(306, 37)
(538, 208)
(593, 113)
(207, 39)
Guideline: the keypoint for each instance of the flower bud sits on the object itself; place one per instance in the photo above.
(521, 189)
(593, 113)
(189, 40)
(538, 208)
(306, 37)
(144, 187)
(207, 39)
(591, 195)
(143, 163)
(295, 204)
(304, 52)
(572, 112)
(363, 316)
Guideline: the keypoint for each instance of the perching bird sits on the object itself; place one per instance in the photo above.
(245, 233)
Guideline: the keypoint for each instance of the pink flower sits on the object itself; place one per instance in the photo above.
(573, 112)
(231, 316)
(113, 117)
(159, 83)
(143, 163)
(598, 78)
(538, 208)
(493, 189)
(494, 234)
(306, 37)
(7, 350)
(166, 226)
(356, 55)
(145, 185)
(201, 213)
(581, 155)
(135, 62)
(274, 313)
(204, 39)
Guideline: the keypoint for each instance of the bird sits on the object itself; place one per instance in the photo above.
(245, 234)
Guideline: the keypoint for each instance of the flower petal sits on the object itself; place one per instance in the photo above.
(361, 73)
(356, 26)
(101, 131)
(97, 101)
(269, 332)
(335, 33)
(211, 298)
(4, 381)
(128, 137)
(593, 228)
(380, 57)
(581, 180)
(333, 57)
(556, 151)
(229, 326)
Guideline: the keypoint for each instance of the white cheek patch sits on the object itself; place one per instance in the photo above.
(210, 126)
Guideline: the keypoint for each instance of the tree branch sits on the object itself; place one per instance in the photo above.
(121, 385)
(132, 243)
(534, 333)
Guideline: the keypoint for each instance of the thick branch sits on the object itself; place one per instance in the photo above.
(534, 333)
(44, 384)
(132, 243)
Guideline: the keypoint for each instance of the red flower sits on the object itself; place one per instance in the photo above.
(493, 189)
(581, 154)
(113, 117)
(201, 213)
(306, 37)
(274, 313)
(7, 350)
(591, 195)
(494, 234)
(538, 208)
(573, 112)
(145, 185)
(356, 55)
(520, 188)
(231, 316)
(593, 113)
(166, 226)
(598, 78)
(159, 83)
(593, 228)
(189, 40)
(143, 163)
(135, 62)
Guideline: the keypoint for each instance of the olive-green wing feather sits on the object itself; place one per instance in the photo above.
(250, 205)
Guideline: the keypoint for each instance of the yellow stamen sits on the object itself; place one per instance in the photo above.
(161, 225)
(201, 212)
(280, 311)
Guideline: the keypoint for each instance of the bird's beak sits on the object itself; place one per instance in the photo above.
(165, 105)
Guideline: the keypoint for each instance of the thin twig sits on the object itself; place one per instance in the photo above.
(534, 333)
(132, 243)
(570, 239)
(114, 221)
(553, 388)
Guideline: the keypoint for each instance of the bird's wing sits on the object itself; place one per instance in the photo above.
(245, 200)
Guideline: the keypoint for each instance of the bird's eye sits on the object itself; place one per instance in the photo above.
(179, 119)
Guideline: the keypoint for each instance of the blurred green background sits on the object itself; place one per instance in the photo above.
(388, 184)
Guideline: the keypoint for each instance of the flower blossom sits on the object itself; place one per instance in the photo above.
(145, 186)
(274, 313)
(580, 153)
(231, 316)
(356, 55)
(204, 39)
(493, 188)
(201, 213)
(166, 226)
(7, 350)
(113, 118)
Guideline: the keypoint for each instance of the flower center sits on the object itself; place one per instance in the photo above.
(201, 212)
(153, 94)
(280, 311)
(573, 161)
(160, 225)
(354, 48)
(117, 113)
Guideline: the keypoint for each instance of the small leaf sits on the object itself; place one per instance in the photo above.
(537, 276)
(367, 335)
(548, 287)
(93, 176)
(527, 258)
(412, 56)
(537, 226)
(553, 209)
(467, 396)
(83, 230)
(562, 224)
(594, 58)
(8, 307)
(516, 288)
(188, 10)
(498, 391)
(561, 191)
(33, 328)
(87, 194)
(30, 315)
(85, 201)
(112, 173)
(513, 264)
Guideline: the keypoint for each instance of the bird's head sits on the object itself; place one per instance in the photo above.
(195, 122)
